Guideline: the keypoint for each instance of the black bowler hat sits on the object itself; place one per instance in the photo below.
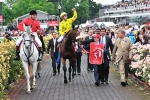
(33, 12)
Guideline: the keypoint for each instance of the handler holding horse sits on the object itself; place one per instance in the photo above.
(35, 29)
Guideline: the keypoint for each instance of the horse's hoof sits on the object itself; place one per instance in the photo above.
(33, 87)
(39, 75)
(65, 82)
(28, 92)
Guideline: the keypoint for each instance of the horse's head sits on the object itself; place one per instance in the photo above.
(27, 36)
(74, 33)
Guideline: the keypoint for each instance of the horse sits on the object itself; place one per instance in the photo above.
(29, 55)
(67, 52)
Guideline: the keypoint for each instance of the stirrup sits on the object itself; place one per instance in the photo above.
(17, 58)
(39, 59)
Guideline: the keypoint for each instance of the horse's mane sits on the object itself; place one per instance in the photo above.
(68, 39)
(28, 29)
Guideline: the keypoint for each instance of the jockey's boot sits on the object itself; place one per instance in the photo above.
(40, 54)
(17, 53)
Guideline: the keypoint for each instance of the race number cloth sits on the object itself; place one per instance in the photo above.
(96, 54)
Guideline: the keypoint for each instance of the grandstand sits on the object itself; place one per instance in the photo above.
(127, 12)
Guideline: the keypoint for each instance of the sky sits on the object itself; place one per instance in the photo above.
(105, 2)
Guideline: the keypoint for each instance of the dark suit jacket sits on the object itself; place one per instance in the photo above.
(108, 45)
(112, 34)
(79, 51)
(87, 45)
(51, 47)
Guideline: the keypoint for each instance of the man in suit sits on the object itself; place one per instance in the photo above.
(78, 51)
(104, 69)
(89, 66)
(123, 55)
(52, 46)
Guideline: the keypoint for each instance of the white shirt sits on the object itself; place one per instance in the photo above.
(54, 40)
(90, 37)
(103, 40)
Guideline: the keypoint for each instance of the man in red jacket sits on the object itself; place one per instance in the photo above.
(36, 29)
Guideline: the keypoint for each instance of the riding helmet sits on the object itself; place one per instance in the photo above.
(63, 14)
(33, 12)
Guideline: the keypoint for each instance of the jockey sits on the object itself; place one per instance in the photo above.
(35, 30)
(66, 24)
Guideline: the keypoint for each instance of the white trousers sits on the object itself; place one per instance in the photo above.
(60, 38)
(36, 39)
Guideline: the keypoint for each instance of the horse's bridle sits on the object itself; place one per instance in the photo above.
(29, 55)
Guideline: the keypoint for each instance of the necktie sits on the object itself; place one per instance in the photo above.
(54, 44)
(122, 43)
(102, 40)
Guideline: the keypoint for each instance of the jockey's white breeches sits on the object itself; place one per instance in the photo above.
(60, 38)
(37, 40)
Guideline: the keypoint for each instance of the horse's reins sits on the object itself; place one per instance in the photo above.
(89, 52)
(28, 51)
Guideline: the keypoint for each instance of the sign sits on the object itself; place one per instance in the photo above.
(53, 23)
(96, 54)
(1, 18)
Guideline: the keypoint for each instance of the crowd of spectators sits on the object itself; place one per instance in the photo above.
(126, 3)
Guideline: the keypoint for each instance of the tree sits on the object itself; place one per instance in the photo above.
(7, 14)
(94, 9)
(81, 7)
(10, 3)
(85, 8)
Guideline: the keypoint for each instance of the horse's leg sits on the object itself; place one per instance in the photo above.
(69, 70)
(34, 71)
(25, 65)
(73, 67)
(65, 70)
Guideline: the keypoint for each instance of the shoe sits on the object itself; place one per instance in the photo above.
(92, 70)
(126, 83)
(97, 84)
(39, 75)
(79, 73)
(17, 58)
(54, 74)
(74, 73)
(102, 82)
(123, 83)
(88, 70)
(106, 82)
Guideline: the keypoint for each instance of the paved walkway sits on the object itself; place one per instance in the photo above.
(82, 88)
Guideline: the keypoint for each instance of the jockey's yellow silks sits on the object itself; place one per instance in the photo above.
(65, 26)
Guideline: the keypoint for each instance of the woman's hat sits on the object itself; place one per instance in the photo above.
(97, 36)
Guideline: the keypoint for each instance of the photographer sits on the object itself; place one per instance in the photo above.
(7, 37)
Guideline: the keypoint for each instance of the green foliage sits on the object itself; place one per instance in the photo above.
(15, 8)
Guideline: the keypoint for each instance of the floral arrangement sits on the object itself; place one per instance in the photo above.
(10, 70)
(140, 65)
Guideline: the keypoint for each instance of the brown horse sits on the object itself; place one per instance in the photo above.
(67, 52)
